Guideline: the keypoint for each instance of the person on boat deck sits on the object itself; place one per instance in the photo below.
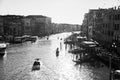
(57, 52)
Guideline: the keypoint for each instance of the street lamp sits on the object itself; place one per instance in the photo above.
(114, 46)
(110, 57)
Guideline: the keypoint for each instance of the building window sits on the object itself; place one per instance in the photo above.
(116, 26)
(110, 33)
(116, 37)
(113, 17)
(106, 26)
(103, 25)
(118, 16)
(110, 17)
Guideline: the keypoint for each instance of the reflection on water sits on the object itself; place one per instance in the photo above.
(2, 68)
(20, 58)
(93, 62)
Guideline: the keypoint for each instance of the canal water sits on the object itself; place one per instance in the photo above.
(17, 63)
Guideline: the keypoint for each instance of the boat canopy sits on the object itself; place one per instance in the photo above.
(89, 42)
(3, 45)
(118, 71)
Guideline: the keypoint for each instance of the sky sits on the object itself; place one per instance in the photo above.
(60, 11)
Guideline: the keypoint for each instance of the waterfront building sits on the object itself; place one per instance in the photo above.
(13, 26)
(1, 29)
(27, 26)
(92, 23)
(1, 26)
(105, 24)
(64, 27)
(40, 25)
(111, 28)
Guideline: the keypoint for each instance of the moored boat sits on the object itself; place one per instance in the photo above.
(33, 38)
(18, 40)
(2, 49)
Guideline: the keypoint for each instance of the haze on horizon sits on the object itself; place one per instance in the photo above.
(61, 11)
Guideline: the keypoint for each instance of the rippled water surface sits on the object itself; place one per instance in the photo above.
(17, 64)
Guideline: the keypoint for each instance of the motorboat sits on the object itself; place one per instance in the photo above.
(116, 75)
(33, 38)
(2, 48)
(36, 65)
(18, 39)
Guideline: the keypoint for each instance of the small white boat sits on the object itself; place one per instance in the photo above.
(2, 48)
(33, 38)
(116, 75)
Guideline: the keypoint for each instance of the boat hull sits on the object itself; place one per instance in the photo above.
(36, 67)
(2, 51)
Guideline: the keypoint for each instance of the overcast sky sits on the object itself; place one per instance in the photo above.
(61, 11)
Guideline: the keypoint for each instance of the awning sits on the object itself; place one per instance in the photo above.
(77, 51)
(118, 71)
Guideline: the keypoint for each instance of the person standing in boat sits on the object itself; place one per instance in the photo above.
(57, 52)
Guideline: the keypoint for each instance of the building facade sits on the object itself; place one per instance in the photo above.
(105, 25)
(12, 27)
(38, 25)
(63, 27)
(1, 26)
(27, 26)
